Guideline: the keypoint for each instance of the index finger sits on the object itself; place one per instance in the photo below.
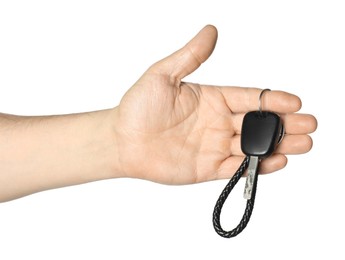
(242, 100)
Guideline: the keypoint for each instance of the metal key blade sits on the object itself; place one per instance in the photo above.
(252, 169)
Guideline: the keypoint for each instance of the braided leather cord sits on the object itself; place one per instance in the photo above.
(222, 198)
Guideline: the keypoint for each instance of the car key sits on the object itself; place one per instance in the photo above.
(261, 133)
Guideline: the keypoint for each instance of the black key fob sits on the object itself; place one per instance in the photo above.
(261, 132)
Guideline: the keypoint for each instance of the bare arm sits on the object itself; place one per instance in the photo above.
(39, 153)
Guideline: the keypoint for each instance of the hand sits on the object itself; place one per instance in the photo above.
(174, 132)
(164, 130)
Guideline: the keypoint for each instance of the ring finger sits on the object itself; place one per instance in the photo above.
(291, 144)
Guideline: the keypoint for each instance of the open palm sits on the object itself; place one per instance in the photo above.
(174, 132)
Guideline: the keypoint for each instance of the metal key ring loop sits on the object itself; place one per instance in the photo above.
(260, 97)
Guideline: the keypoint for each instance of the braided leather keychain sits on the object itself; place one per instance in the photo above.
(222, 198)
(262, 131)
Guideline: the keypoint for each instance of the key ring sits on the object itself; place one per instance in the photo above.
(282, 133)
(260, 97)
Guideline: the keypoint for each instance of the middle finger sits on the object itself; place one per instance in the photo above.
(294, 124)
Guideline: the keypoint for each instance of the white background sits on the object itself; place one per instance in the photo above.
(73, 56)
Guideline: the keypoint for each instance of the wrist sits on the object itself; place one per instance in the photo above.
(128, 160)
(111, 143)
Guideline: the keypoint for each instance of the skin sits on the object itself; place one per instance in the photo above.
(164, 130)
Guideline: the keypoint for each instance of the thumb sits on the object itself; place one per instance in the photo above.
(187, 59)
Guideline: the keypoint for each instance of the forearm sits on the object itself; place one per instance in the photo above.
(40, 153)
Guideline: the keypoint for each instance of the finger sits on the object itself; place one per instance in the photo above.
(299, 123)
(186, 60)
(229, 167)
(295, 144)
(296, 124)
(273, 163)
(236, 146)
(242, 100)
(291, 144)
